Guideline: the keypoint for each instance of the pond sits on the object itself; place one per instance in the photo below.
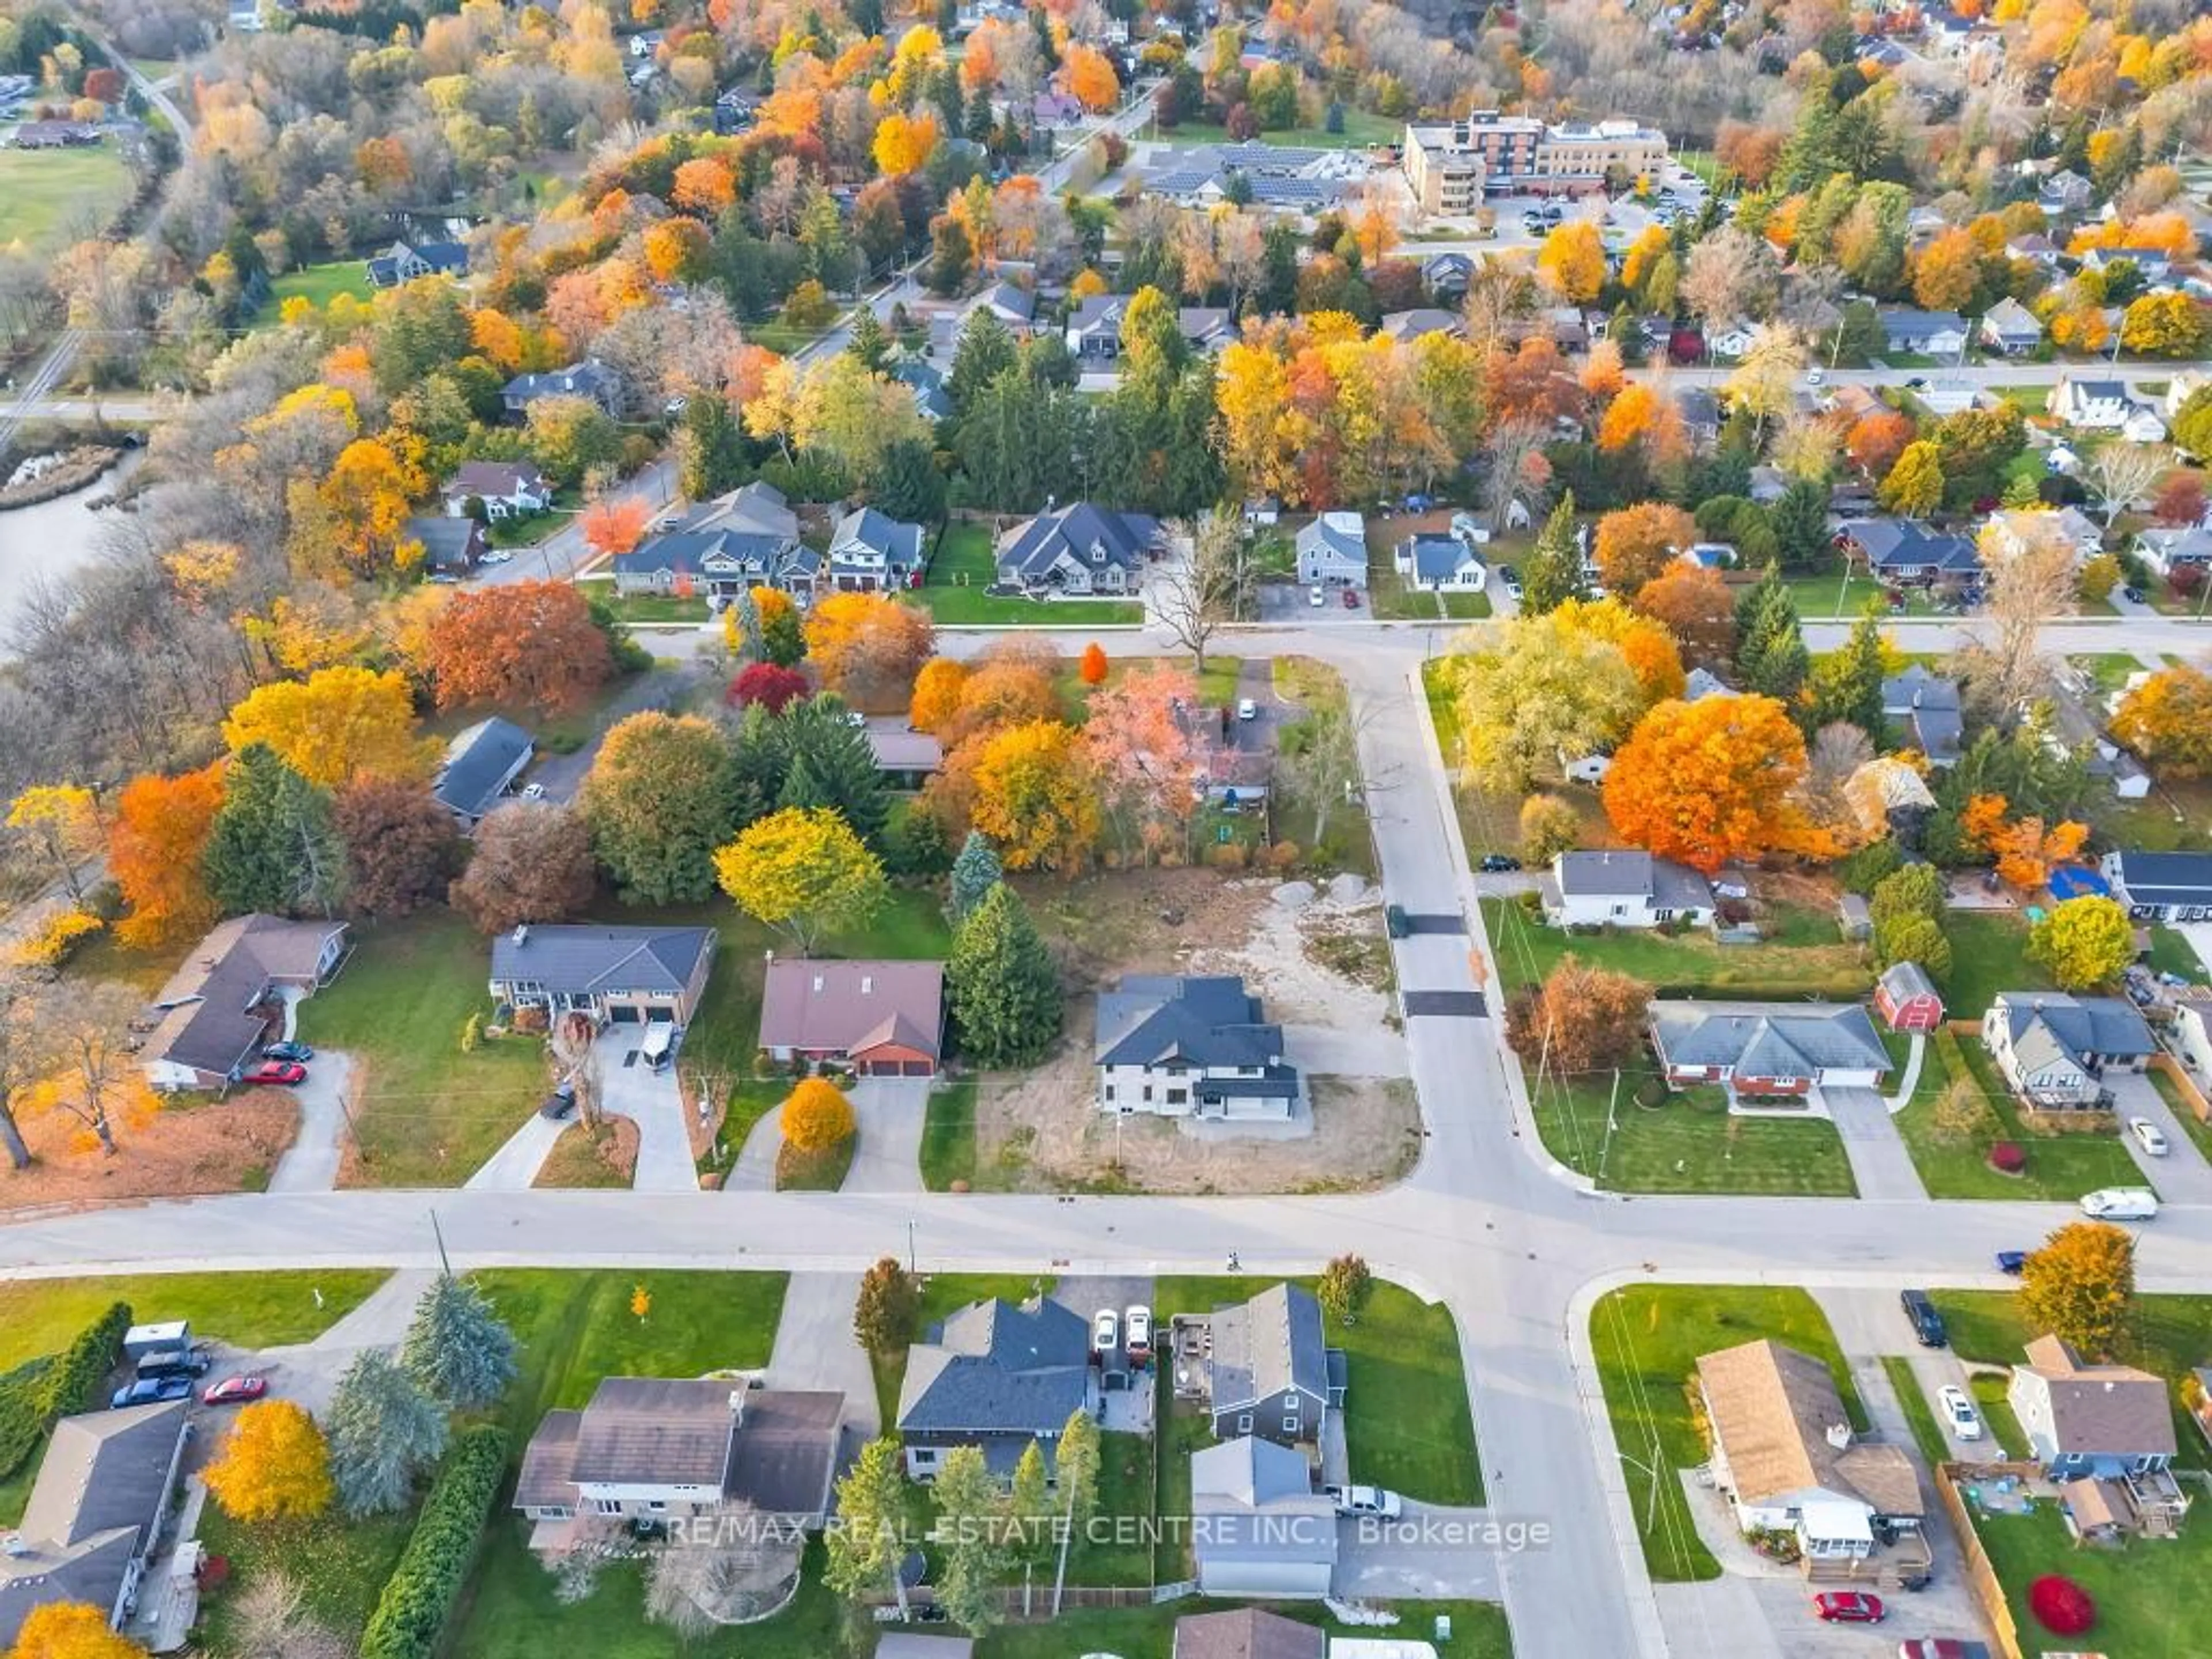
(51, 540)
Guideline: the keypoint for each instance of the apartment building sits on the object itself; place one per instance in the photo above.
(1451, 166)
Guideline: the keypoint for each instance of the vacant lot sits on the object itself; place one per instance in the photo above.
(1690, 1143)
(58, 197)
(185, 1146)
(1528, 950)
(317, 284)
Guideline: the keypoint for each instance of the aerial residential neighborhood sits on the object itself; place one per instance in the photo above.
(1346, 830)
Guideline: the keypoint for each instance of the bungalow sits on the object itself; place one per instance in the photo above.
(2167, 550)
(481, 764)
(2016, 531)
(2095, 405)
(216, 1009)
(2162, 886)
(1908, 998)
(1923, 333)
(1439, 563)
(2035, 249)
(1332, 551)
(1730, 340)
(995, 1377)
(1768, 1048)
(927, 381)
(2052, 1049)
(1094, 331)
(451, 547)
(747, 539)
(1079, 551)
(1249, 1633)
(95, 1513)
(1189, 1046)
(1405, 325)
(2154, 264)
(1259, 1529)
(871, 551)
(2011, 328)
(405, 263)
(1010, 305)
(1785, 1457)
(1261, 1367)
(508, 490)
(881, 1019)
(1924, 711)
(2105, 1433)
(1624, 889)
(1907, 551)
(588, 379)
(616, 975)
(652, 1449)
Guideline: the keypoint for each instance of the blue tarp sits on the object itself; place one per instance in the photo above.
(2075, 881)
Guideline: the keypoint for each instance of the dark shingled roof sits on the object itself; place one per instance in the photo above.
(1150, 1018)
(585, 958)
(994, 1368)
(1075, 530)
(1269, 1345)
(652, 1431)
(479, 763)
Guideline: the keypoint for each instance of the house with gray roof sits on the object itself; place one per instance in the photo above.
(2053, 1049)
(2011, 328)
(1332, 551)
(1439, 563)
(94, 1513)
(1619, 888)
(451, 547)
(508, 490)
(1094, 330)
(1191, 1046)
(2104, 1434)
(1406, 325)
(1767, 1048)
(588, 379)
(1261, 1367)
(218, 1008)
(1901, 550)
(1258, 1527)
(2162, 886)
(1079, 550)
(406, 262)
(745, 539)
(1924, 333)
(618, 974)
(995, 1377)
(481, 764)
(871, 551)
(1922, 711)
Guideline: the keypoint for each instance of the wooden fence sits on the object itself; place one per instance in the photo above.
(2184, 1084)
(1981, 1577)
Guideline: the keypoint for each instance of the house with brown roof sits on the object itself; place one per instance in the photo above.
(1785, 1456)
(1246, 1633)
(882, 1018)
(663, 1449)
(2103, 1433)
(211, 1019)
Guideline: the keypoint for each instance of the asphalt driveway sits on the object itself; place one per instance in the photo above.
(1430, 1553)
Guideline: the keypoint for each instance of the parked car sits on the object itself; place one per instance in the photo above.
(1927, 1323)
(1417, 502)
(1247, 709)
(1375, 1501)
(1848, 1608)
(496, 555)
(1315, 597)
(1352, 598)
(1137, 1330)
(171, 1362)
(1497, 863)
(559, 1104)
(151, 1390)
(1917, 383)
(2011, 1262)
(2120, 1204)
(2132, 595)
(1105, 1331)
(276, 1071)
(1394, 922)
(1959, 1414)
(2148, 1136)
(533, 792)
(1509, 579)
(1813, 376)
(235, 1391)
(292, 1051)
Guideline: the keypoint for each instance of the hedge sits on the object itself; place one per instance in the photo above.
(39, 1391)
(410, 1614)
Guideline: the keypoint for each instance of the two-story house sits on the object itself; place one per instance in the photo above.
(508, 490)
(1079, 551)
(2105, 1433)
(872, 552)
(1261, 1367)
(748, 539)
(588, 379)
(1191, 1046)
(1332, 551)
(2053, 1049)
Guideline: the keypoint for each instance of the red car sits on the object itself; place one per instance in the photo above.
(1352, 598)
(276, 1071)
(1848, 1608)
(235, 1391)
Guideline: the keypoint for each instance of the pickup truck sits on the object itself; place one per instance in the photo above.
(1365, 1500)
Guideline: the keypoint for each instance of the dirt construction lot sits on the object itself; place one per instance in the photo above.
(1316, 961)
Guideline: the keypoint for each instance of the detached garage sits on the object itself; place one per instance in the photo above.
(882, 1018)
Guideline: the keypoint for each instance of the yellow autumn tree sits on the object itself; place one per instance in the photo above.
(802, 870)
(71, 1630)
(335, 725)
(817, 1116)
(59, 820)
(274, 1464)
(1034, 797)
(904, 143)
(1572, 260)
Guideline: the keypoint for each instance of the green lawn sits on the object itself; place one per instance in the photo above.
(2149, 1595)
(657, 608)
(318, 284)
(948, 1137)
(1479, 1630)
(1408, 1424)
(1991, 1399)
(1919, 1416)
(1363, 129)
(1120, 1553)
(1647, 1340)
(2166, 1336)
(58, 197)
(1691, 1143)
(1347, 840)
(943, 1294)
(424, 1114)
(782, 338)
(1528, 950)
(518, 530)
(340, 1566)
(2169, 953)
(2060, 1167)
(2195, 1126)
(963, 566)
(246, 1310)
(1989, 954)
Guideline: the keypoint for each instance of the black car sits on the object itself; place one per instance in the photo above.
(558, 1104)
(298, 1052)
(1498, 863)
(1509, 579)
(173, 1362)
(1927, 1323)
(2132, 595)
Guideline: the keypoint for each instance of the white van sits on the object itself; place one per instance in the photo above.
(2120, 1204)
(660, 1045)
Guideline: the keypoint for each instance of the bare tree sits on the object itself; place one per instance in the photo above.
(740, 1570)
(100, 1085)
(2027, 587)
(573, 1044)
(23, 1038)
(1214, 585)
(1510, 447)
(2118, 473)
(1320, 761)
(269, 1621)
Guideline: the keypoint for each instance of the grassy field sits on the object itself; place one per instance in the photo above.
(948, 1138)
(2149, 1595)
(58, 197)
(1362, 129)
(246, 1310)
(1989, 954)
(340, 1566)
(1919, 1415)
(318, 284)
(963, 566)
(1690, 1144)
(1346, 841)
(2058, 1166)
(426, 1113)
(657, 608)
(1528, 950)
(1647, 1340)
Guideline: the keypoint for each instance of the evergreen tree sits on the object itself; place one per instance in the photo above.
(459, 1351)
(985, 352)
(910, 487)
(783, 640)
(868, 17)
(1554, 572)
(1770, 654)
(711, 456)
(745, 620)
(384, 1431)
(1847, 683)
(975, 873)
(832, 765)
(870, 342)
(274, 844)
(759, 758)
(1005, 991)
(982, 124)
(1799, 522)
(1808, 156)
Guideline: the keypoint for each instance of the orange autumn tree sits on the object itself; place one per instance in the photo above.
(528, 643)
(1708, 781)
(1645, 646)
(615, 527)
(2024, 849)
(867, 647)
(936, 692)
(1095, 667)
(155, 839)
(1089, 78)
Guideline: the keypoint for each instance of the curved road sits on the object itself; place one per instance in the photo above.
(1486, 1222)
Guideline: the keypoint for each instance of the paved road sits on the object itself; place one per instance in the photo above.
(564, 553)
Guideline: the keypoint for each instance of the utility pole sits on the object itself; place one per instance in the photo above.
(438, 1233)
